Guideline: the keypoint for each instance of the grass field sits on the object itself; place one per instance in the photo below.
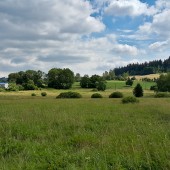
(40, 133)
(150, 76)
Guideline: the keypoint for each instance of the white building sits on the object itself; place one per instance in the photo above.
(4, 85)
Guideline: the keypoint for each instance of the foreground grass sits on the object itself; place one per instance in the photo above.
(48, 133)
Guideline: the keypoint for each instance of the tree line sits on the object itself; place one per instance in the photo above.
(31, 80)
(55, 78)
(64, 78)
(152, 67)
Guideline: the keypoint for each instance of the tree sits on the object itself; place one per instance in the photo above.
(12, 77)
(53, 77)
(138, 91)
(101, 86)
(77, 77)
(29, 85)
(29, 77)
(66, 79)
(125, 75)
(85, 81)
(129, 82)
(163, 83)
(60, 78)
(94, 79)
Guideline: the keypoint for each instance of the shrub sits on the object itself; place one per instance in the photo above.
(129, 82)
(161, 95)
(30, 85)
(33, 94)
(101, 86)
(154, 88)
(43, 94)
(20, 87)
(138, 91)
(69, 95)
(13, 87)
(96, 95)
(130, 99)
(116, 95)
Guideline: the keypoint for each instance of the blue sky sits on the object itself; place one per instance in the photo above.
(87, 36)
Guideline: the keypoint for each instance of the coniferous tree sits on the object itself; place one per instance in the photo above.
(138, 91)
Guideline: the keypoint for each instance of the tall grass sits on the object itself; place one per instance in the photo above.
(46, 133)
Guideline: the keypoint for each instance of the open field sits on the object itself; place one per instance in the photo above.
(83, 134)
(150, 76)
(86, 93)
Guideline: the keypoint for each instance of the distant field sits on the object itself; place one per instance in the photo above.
(116, 85)
(86, 93)
(150, 76)
(83, 134)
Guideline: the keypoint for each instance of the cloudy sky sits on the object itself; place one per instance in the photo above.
(87, 36)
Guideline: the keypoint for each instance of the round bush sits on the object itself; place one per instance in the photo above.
(43, 94)
(33, 94)
(69, 95)
(130, 99)
(153, 88)
(96, 95)
(161, 95)
(116, 95)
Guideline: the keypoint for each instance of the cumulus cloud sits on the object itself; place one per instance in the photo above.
(158, 28)
(41, 34)
(159, 46)
(125, 49)
(43, 19)
(34, 32)
(129, 8)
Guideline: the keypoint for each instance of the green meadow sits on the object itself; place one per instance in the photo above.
(45, 133)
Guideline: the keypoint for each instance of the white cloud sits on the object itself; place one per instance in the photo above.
(43, 19)
(34, 32)
(129, 8)
(41, 34)
(126, 50)
(162, 4)
(158, 28)
(159, 46)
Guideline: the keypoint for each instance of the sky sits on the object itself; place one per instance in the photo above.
(87, 36)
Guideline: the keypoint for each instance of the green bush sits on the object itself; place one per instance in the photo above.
(20, 87)
(69, 95)
(155, 88)
(129, 82)
(130, 99)
(33, 94)
(96, 95)
(43, 94)
(13, 87)
(101, 86)
(161, 95)
(116, 95)
(138, 91)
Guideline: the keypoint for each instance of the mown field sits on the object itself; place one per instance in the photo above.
(83, 134)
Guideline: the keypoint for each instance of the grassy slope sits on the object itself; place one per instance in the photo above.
(48, 133)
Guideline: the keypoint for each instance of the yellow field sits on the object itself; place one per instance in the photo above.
(150, 76)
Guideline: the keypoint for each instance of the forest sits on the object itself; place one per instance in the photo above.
(151, 67)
